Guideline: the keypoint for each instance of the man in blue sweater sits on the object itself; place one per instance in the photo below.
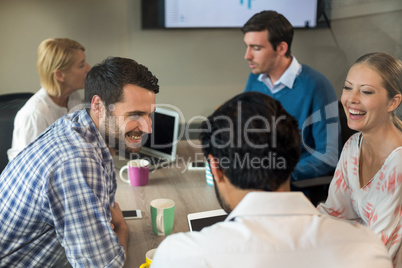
(304, 92)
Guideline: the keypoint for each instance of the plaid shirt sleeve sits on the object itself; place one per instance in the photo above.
(77, 196)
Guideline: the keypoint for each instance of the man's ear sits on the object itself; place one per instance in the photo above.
(97, 106)
(59, 76)
(282, 48)
(215, 170)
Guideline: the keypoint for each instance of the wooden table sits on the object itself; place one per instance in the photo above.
(187, 188)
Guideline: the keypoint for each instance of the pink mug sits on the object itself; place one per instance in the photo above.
(138, 172)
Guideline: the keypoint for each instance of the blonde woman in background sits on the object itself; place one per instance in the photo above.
(62, 70)
(367, 185)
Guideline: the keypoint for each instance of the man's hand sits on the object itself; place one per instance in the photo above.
(119, 225)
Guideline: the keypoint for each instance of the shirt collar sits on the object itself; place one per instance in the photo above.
(273, 203)
(288, 77)
(83, 118)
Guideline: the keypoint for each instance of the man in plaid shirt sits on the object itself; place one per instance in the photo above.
(57, 196)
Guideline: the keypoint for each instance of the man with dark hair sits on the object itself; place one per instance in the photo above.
(304, 92)
(105, 85)
(252, 145)
(58, 195)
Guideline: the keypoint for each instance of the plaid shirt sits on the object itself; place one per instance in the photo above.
(55, 198)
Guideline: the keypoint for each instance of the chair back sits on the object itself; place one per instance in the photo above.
(346, 132)
(10, 104)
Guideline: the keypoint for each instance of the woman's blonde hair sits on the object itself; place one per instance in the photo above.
(55, 54)
(390, 70)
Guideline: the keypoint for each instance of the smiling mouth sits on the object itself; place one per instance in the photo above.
(133, 137)
(354, 112)
(136, 137)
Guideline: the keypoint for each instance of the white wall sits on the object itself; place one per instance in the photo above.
(197, 69)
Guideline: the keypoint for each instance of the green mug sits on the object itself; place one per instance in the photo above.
(148, 258)
(162, 215)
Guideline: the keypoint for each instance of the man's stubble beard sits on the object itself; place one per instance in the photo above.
(116, 140)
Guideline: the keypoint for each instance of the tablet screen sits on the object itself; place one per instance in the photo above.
(197, 221)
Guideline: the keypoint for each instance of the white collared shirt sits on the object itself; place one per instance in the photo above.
(286, 80)
(274, 230)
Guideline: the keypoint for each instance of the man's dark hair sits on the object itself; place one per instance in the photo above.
(279, 28)
(255, 141)
(108, 78)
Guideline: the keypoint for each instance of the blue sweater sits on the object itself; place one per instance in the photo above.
(312, 101)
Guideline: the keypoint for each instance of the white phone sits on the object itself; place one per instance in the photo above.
(197, 165)
(132, 214)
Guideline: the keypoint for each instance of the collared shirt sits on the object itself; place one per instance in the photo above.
(286, 80)
(56, 197)
(275, 230)
(38, 113)
(313, 102)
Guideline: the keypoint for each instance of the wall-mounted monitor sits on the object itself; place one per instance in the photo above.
(165, 14)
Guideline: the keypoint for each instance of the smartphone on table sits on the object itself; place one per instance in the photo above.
(197, 165)
(132, 214)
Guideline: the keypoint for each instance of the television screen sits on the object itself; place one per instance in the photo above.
(223, 13)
